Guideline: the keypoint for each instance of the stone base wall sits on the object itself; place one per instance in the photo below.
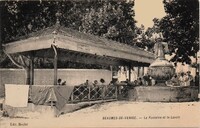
(163, 94)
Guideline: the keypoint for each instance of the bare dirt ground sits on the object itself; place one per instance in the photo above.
(116, 114)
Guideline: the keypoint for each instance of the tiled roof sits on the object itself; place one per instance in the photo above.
(81, 38)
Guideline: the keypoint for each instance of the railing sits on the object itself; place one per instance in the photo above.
(88, 93)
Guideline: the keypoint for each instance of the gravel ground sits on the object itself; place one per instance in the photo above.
(116, 114)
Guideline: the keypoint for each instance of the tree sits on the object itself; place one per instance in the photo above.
(20, 18)
(145, 38)
(180, 28)
(111, 19)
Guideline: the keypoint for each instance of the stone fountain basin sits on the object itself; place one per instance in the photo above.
(163, 94)
(161, 70)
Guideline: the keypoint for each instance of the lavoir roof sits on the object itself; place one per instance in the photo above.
(80, 47)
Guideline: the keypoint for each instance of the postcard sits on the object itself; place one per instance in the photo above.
(98, 63)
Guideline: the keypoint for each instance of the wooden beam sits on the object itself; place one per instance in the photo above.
(81, 42)
(30, 44)
(14, 61)
(90, 59)
(76, 53)
(98, 57)
(82, 57)
(133, 54)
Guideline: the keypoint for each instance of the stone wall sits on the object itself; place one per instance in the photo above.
(163, 94)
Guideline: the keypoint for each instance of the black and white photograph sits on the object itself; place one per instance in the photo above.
(99, 63)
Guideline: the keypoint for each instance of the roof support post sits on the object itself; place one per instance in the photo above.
(32, 69)
(142, 70)
(138, 72)
(28, 76)
(111, 69)
(129, 72)
(55, 64)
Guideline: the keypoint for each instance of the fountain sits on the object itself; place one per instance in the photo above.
(162, 70)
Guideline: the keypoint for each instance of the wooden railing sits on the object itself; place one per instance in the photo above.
(88, 93)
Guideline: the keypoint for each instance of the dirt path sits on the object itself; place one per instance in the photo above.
(118, 114)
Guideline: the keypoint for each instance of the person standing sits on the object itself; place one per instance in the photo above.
(189, 78)
(175, 80)
(182, 79)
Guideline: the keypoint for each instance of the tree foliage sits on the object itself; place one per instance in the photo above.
(141, 40)
(111, 19)
(146, 38)
(180, 28)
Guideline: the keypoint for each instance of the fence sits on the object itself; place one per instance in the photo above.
(88, 93)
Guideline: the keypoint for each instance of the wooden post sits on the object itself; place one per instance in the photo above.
(103, 92)
(111, 69)
(138, 72)
(116, 91)
(55, 70)
(129, 72)
(28, 75)
(142, 70)
(31, 70)
(55, 64)
(89, 93)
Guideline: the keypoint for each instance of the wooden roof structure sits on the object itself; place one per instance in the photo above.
(66, 44)
(80, 47)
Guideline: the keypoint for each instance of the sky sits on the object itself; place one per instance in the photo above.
(146, 10)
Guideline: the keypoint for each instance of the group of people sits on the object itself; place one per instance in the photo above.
(182, 79)
(95, 83)
(145, 80)
(87, 82)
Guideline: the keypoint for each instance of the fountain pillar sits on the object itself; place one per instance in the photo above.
(161, 70)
